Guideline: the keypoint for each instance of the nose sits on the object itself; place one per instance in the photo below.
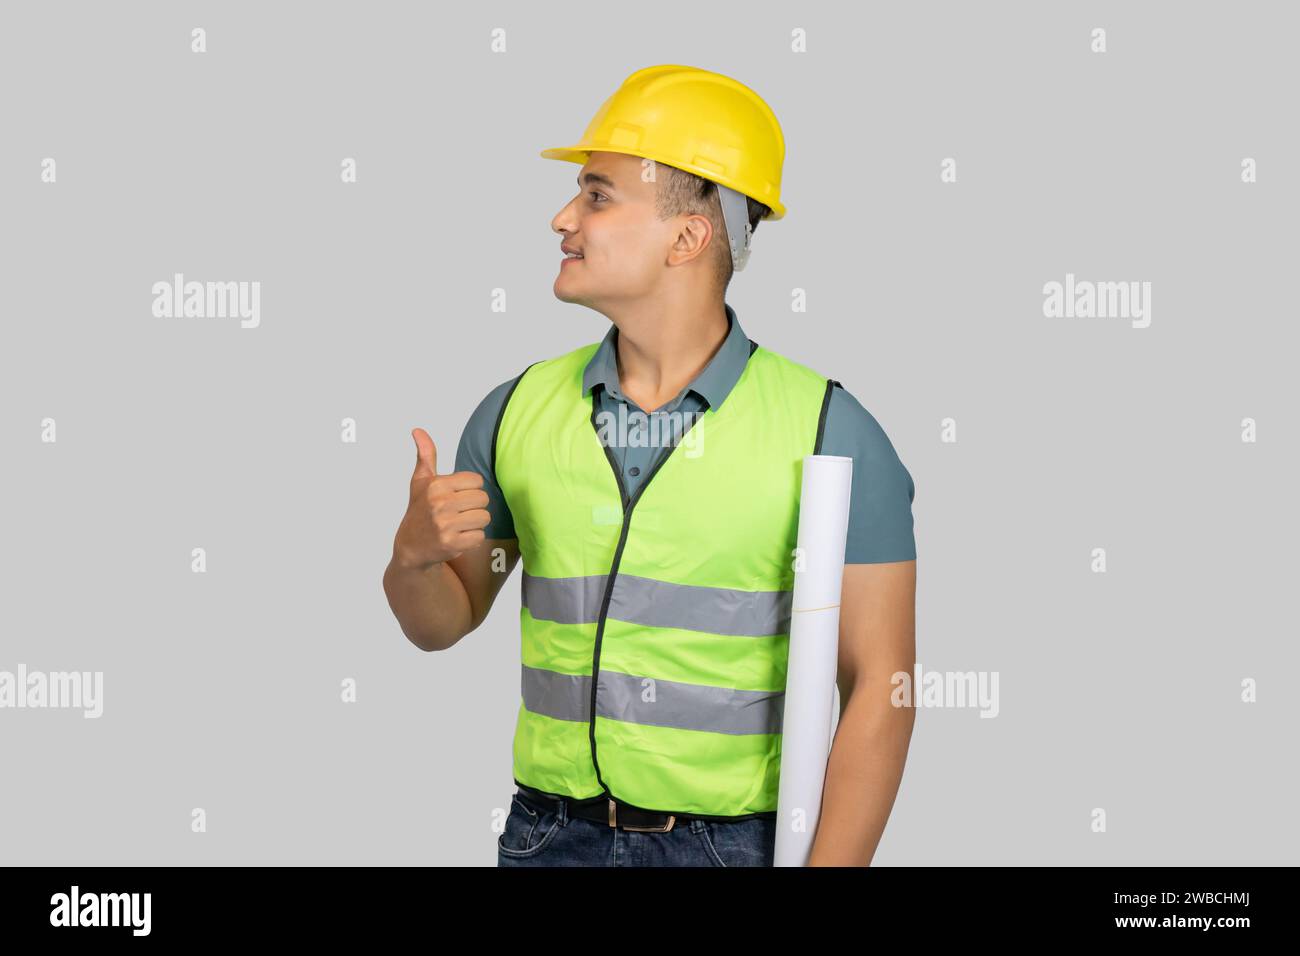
(565, 221)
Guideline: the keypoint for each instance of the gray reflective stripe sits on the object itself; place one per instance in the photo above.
(661, 703)
(562, 696)
(721, 710)
(715, 610)
(564, 600)
(653, 603)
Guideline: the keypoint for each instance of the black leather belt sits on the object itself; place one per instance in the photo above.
(616, 813)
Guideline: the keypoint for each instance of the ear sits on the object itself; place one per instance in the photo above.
(695, 236)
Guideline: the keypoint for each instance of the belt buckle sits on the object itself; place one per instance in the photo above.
(613, 821)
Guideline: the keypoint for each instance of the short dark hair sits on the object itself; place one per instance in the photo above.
(678, 192)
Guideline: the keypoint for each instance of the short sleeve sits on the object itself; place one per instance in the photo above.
(475, 454)
(880, 503)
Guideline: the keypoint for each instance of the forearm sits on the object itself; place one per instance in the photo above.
(430, 604)
(863, 774)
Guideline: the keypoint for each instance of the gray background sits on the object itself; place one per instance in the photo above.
(1118, 691)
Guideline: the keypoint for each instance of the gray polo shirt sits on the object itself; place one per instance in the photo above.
(880, 509)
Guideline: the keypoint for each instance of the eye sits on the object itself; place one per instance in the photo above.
(594, 193)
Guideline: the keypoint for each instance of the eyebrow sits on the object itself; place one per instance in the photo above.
(597, 178)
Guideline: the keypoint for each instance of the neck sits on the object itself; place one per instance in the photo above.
(662, 349)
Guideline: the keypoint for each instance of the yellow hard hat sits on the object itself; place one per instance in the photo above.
(705, 123)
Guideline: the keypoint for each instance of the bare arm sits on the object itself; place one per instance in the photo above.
(444, 573)
(438, 605)
(877, 639)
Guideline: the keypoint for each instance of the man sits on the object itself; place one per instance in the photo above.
(651, 484)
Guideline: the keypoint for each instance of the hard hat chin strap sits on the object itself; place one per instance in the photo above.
(735, 213)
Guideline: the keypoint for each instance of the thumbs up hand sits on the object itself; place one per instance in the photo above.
(446, 514)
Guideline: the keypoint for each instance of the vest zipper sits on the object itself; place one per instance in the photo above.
(628, 505)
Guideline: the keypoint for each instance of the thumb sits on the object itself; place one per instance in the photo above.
(426, 458)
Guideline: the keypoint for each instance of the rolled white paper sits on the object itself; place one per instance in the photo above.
(813, 655)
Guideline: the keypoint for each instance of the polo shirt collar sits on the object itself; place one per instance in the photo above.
(713, 384)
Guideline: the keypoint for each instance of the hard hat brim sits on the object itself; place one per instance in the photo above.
(580, 155)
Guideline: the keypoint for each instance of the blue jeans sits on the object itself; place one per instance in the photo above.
(535, 835)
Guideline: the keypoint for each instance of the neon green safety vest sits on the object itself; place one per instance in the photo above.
(678, 599)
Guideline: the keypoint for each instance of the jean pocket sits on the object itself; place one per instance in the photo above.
(706, 837)
(748, 842)
(528, 831)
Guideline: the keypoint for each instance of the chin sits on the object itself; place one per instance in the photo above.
(563, 295)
